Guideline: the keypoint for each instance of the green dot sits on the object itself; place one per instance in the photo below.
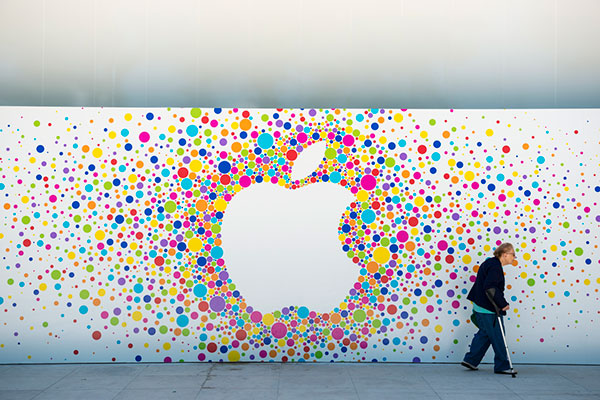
(36, 123)
(114, 321)
(170, 206)
(84, 294)
(196, 112)
(55, 274)
(531, 281)
(359, 315)
(26, 220)
(265, 117)
(578, 251)
(432, 122)
(87, 228)
(330, 154)
(566, 224)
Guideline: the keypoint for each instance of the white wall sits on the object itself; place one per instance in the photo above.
(266, 53)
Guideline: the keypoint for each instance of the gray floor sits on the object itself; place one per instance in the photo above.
(294, 381)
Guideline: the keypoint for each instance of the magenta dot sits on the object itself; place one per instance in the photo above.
(245, 181)
(348, 140)
(442, 245)
(53, 199)
(144, 137)
(368, 182)
(402, 236)
(337, 333)
(256, 317)
(278, 330)
(302, 138)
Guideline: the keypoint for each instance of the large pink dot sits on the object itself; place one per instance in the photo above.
(144, 137)
(348, 140)
(402, 236)
(278, 330)
(53, 199)
(368, 182)
(256, 317)
(442, 245)
(337, 333)
(245, 181)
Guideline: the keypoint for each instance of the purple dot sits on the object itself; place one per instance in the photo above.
(217, 304)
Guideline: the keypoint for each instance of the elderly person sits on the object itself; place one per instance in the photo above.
(490, 276)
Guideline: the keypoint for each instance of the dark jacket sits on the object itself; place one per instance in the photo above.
(490, 275)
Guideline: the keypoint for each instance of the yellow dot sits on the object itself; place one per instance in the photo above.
(71, 255)
(398, 117)
(491, 205)
(526, 256)
(32, 160)
(128, 117)
(268, 319)
(136, 316)
(195, 245)
(172, 128)
(167, 346)
(381, 255)
(172, 291)
(362, 195)
(97, 152)
(112, 134)
(551, 295)
(99, 235)
(467, 259)
(419, 201)
(25, 199)
(101, 292)
(469, 175)
(438, 328)
(220, 205)
(233, 356)
(423, 299)
(523, 275)
(586, 282)
(195, 165)
(132, 178)
(489, 132)
(43, 286)
(451, 162)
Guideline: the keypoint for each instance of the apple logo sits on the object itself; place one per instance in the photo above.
(281, 246)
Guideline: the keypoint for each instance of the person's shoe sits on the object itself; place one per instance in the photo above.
(507, 372)
(468, 365)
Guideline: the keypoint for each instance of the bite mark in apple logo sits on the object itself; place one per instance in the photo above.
(281, 246)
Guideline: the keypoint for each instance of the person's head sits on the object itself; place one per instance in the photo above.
(505, 253)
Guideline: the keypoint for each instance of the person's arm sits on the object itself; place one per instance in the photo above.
(494, 280)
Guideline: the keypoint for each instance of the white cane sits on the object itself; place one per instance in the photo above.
(490, 294)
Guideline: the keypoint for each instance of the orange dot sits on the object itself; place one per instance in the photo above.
(372, 267)
(236, 147)
(85, 149)
(245, 124)
(446, 134)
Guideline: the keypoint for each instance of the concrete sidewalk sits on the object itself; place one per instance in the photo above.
(294, 381)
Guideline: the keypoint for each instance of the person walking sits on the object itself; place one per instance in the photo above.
(490, 276)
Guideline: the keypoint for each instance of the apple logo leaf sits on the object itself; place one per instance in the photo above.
(308, 161)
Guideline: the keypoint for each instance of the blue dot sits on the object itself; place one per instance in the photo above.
(40, 149)
(368, 216)
(191, 130)
(200, 290)
(216, 252)
(335, 177)
(374, 126)
(183, 320)
(265, 141)
(138, 358)
(303, 312)
(224, 167)
(149, 116)
(556, 204)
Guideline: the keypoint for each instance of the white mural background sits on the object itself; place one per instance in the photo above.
(293, 234)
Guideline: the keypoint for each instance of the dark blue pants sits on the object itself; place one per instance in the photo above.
(489, 333)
